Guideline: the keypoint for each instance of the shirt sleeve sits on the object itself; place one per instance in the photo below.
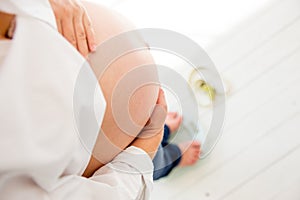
(128, 176)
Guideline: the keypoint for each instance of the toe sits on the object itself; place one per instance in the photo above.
(172, 114)
(193, 161)
(179, 119)
(196, 144)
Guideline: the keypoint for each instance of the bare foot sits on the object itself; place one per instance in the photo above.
(173, 121)
(190, 150)
(190, 153)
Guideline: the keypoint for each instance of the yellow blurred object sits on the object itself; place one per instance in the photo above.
(206, 88)
(205, 92)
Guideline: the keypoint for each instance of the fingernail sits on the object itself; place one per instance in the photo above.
(93, 47)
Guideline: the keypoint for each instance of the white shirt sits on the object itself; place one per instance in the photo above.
(4, 48)
(44, 142)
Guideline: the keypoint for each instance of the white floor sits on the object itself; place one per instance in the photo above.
(258, 156)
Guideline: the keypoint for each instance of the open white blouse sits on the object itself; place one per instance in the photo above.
(42, 153)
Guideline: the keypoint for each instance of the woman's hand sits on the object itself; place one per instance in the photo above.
(151, 135)
(74, 24)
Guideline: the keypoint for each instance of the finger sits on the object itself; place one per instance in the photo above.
(161, 100)
(155, 124)
(58, 24)
(89, 31)
(81, 39)
(175, 114)
(68, 30)
(180, 119)
(157, 119)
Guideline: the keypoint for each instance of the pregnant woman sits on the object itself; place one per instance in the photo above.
(40, 152)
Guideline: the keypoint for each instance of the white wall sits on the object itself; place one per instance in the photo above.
(203, 20)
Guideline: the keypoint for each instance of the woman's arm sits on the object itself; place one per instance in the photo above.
(113, 138)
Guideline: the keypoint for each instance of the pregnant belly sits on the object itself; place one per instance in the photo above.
(129, 103)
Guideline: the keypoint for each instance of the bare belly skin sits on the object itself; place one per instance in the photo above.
(114, 137)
